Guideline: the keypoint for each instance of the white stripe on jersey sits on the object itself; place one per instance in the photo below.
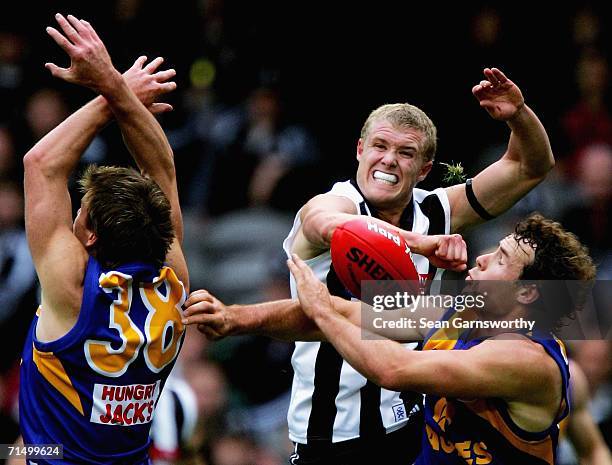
(348, 400)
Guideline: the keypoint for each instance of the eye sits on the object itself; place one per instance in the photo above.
(379, 146)
(406, 154)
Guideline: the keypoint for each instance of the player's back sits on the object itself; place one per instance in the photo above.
(94, 390)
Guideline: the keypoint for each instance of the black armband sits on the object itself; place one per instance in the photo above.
(469, 191)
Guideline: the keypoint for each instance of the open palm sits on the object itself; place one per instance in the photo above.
(498, 95)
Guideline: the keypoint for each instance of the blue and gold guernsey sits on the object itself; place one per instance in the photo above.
(94, 390)
(481, 431)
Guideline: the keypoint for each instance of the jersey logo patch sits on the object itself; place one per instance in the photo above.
(124, 405)
(399, 412)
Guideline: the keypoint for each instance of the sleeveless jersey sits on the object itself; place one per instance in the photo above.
(95, 389)
(481, 431)
(331, 401)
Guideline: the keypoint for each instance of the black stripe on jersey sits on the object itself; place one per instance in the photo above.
(370, 420)
(326, 378)
(432, 208)
(179, 417)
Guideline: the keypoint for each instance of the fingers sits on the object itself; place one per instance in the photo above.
(298, 268)
(151, 67)
(295, 271)
(442, 249)
(78, 26)
(501, 77)
(91, 30)
(201, 295)
(201, 319)
(459, 249)
(164, 75)
(56, 71)
(464, 256)
(453, 250)
(168, 87)
(140, 61)
(60, 40)
(158, 108)
(491, 76)
(68, 29)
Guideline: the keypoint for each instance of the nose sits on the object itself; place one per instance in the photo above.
(389, 159)
(481, 262)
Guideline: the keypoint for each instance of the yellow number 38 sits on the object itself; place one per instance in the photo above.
(162, 329)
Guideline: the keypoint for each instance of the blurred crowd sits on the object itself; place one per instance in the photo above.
(267, 114)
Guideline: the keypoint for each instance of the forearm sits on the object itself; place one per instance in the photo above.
(146, 141)
(58, 153)
(319, 226)
(282, 319)
(143, 135)
(529, 144)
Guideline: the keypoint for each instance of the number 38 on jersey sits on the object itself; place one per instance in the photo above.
(161, 333)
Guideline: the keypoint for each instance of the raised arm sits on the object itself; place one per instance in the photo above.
(91, 66)
(48, 210)
(526, 162)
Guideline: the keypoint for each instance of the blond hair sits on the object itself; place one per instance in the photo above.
(404, 115)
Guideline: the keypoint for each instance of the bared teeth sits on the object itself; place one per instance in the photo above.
(390, 178)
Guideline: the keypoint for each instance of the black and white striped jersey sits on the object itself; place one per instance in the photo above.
(330, 401)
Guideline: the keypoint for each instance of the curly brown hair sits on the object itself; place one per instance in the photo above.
(129, 214)
(559, 258)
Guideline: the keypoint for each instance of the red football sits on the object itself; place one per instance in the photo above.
(363, 250)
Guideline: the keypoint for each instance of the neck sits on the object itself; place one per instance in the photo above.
(391, 216)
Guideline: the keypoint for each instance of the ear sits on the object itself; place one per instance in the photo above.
(91, 240)
(359, 148)
(527, 294)
(425, 169)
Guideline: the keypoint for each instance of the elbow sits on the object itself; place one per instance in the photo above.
(548, 166)
(316, 227)
(537, 174)
(34, 159)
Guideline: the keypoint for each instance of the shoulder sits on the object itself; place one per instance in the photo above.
(333, 201)
(348, 190)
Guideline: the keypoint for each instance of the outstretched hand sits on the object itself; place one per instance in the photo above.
(90, 63)
(148, 83)
(498, 95)
(314, 296)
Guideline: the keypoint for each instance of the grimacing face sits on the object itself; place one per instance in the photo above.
(390, 164)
